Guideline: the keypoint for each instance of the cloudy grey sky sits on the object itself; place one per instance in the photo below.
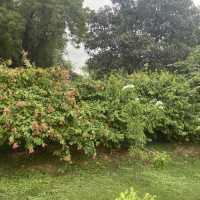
(79, 56)
(197, 2)
(95, 4)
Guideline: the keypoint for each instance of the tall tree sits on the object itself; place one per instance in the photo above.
(49, 24)
(134, 32)
(40, 27)
(11, 30)
(169, 20)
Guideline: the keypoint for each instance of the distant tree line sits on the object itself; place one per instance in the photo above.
(134, 33)
(126, 36)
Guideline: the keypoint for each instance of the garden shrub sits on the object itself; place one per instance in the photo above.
(190, 66)
(173, 95)
(155, 158)
(160, 159)
(132, 195)
(34, 107)
(159, 106)
(42, 106)
(140, 154)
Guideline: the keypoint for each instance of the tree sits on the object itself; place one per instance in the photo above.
(134, 32)
(11, 29)
(41, 28)
(49, 24)
(169, 20)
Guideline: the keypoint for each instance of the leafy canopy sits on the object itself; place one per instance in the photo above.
(42, 28)
(132, 33)
(11, 30)
(47, 23)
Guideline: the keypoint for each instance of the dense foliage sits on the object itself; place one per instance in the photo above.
(190, 66)
(41, 107)
(42, 28)
(132, 195)
(132, 33)
(159, 105)
(11, 32)
(49, 25)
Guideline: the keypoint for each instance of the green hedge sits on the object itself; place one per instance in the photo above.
(39, 107)
(155, 106)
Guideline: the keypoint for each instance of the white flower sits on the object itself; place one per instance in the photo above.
(159, 104)
(128, 87)
(137, 99)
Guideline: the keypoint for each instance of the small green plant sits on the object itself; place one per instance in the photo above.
(132, 195)
(139, 154)
(160, 159)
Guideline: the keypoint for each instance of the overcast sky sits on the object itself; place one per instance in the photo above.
(197, 2)
(96, 4)
(79, 56)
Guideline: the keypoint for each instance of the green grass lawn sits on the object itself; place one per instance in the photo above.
(45, 178)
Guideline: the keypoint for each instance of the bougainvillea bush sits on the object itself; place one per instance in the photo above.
(40, 107)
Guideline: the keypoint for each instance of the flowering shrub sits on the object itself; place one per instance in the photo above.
(39, 107)
(34, 107)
